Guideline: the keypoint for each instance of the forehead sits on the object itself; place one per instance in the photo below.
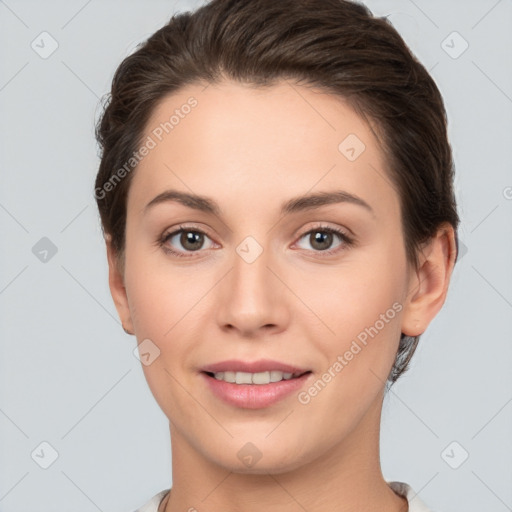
(286, 137)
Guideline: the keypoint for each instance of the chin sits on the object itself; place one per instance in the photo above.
(251, 460)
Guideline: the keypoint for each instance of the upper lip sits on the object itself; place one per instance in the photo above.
(262, 365)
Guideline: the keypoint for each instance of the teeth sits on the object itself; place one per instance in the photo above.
(243, 378)
(253, 378)
(227, 376)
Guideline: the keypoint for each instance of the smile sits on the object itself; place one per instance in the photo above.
(254, 390)
(254, 378)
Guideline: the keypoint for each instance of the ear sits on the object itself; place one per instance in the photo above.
(117, 288)
(428, 285)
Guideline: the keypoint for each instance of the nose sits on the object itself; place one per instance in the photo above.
(253, 301)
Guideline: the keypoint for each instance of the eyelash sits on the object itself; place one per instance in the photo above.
(345, 239)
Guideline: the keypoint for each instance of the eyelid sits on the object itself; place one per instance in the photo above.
(323, 225)
(186, 227)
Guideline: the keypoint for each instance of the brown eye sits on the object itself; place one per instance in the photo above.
(321, 239)
(183, 240)
(191, 240)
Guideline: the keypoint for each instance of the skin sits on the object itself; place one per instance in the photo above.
(251, 149)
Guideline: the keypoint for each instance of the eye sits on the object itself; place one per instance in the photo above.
(321, 239)
(193, 240)
(190, 239)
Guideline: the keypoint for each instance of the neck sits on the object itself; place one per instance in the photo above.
(347, 477)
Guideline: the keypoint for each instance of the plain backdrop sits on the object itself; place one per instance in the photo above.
(72, 394)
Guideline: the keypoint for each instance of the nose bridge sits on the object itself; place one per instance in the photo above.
(252, 297)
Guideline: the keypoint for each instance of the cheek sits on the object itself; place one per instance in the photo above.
(360, 308)
(162, 306)
(168, 307)
(358, 355)
(159, 295)
(353, 296)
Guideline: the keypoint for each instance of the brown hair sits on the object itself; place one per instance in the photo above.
(336, 45)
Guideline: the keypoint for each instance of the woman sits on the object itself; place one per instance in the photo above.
(275, 190)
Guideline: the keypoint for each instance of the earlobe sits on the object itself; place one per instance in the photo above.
(428, 285)
(117, 287)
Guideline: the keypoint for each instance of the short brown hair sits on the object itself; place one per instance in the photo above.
(336, 45)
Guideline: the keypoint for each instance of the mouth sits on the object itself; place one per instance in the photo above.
(257, 378)
(255, 390)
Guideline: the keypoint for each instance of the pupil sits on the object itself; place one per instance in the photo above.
(188, 239)
(322, 236)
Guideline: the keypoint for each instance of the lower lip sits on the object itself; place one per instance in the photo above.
(254, 396)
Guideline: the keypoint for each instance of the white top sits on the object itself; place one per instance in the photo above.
(405, 490)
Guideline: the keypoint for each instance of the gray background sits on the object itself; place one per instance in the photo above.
(68, 375)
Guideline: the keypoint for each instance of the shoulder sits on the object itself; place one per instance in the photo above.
(405, 490)
(152, 504)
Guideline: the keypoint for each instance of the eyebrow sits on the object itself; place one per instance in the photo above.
(294, 205)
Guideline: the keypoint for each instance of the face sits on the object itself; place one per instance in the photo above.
(258, 269)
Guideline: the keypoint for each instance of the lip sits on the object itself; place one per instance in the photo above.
(262, 365)
(254, 396)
